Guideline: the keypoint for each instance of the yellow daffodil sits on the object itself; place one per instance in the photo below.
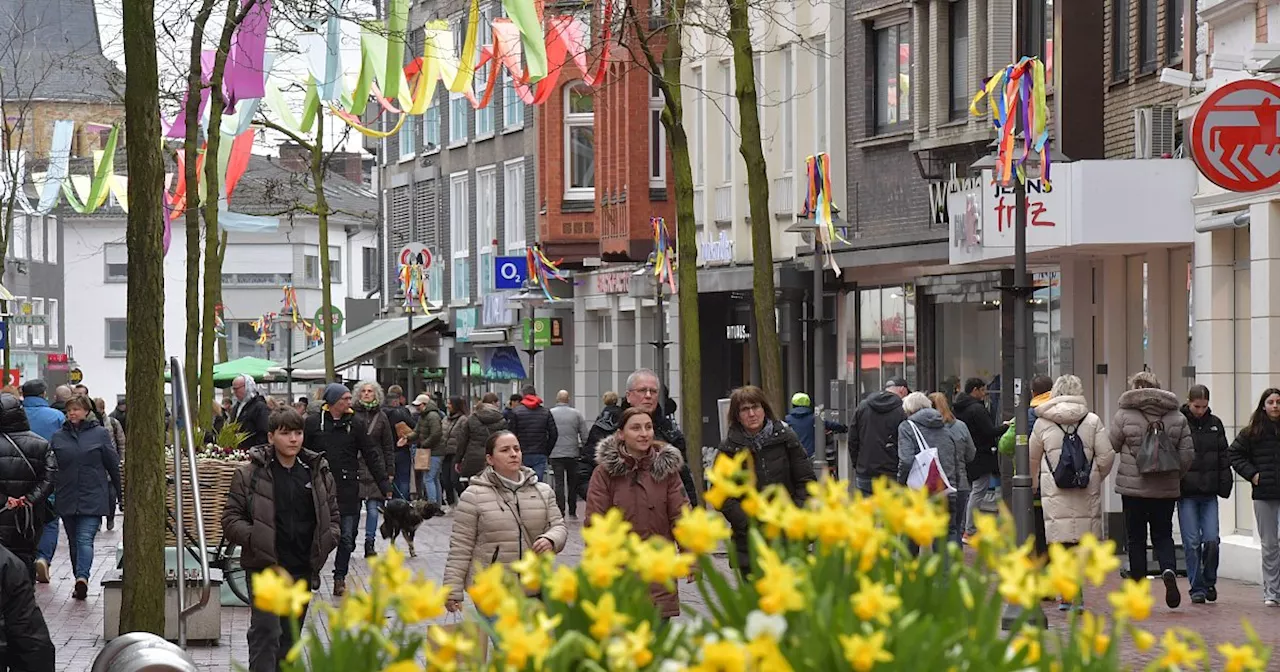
(830, 493)
(699, 531)
(521, 645)
(403, 666)
(779, 583)
(723, 656)
(658, 561)
(1026, 642)
(1133, 601)
(1019, 580)
(275, 592)
(1178, 652)
(446, 646)
(356, 611)
(730, 477)
(832, 527)
(796, 524)
(606, 533)
(421, 601)
(765, 655)
(508, 614)
(602, 569)
(875, 602)
(631, 650)
(387, 571)
(1095, 638)
(530, 568)
(1099, 559)
(1142, 640)
(1240, 658)
(1064, 572)
(487, 590)
(605, 617)
(864, 653)
(924, 520)
(563, 585)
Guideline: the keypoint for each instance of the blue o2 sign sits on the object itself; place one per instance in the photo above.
(509, 272)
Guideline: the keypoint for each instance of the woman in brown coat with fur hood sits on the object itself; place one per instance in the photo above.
(640, 477)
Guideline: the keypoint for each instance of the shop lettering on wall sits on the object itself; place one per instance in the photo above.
(737, 332)
(939, 190)
(1037, 213)
(613, 283)
(715, 250)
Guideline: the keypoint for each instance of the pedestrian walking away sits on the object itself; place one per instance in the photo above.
(924, 428)
(427, 435)
(25, 645)
(88, 467)
(504, 512)
(965, 451)
(368, 407)
(873, 442)
(282, 511)
(456, 435)
(1155, 451)
(28, 469)
(1208, 480)
(399, 414)
(45, 421)
(801, 421)
(1255, 455)
(534, 425)
(485, 420)
(970, 407)
(571, 430)
(116, 430)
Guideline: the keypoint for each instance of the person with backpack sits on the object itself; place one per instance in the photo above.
(1071, 456)
(1154, 443)
(1255, 455)
(1210, 478)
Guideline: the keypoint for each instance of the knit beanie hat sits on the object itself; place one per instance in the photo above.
(333, 392)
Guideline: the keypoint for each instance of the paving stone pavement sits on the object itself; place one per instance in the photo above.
(76, 626)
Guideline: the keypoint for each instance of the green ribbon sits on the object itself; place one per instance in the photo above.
(101, 178)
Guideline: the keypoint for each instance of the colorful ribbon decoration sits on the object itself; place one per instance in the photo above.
(819, 205)
(262, 326)
(413, 282)
(664, 253)
(1019, 87)
(219, 327)
(290, 302)
(542, 269)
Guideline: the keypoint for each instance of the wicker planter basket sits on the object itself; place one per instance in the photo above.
(215, 483)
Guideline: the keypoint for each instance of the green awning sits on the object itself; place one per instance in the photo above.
(225, 372)
(357, 346)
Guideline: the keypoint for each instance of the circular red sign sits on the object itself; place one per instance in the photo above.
(415, 254)
(1234, 136)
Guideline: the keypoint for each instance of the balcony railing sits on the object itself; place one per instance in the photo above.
(256, 279)
(699, 206)
(782, 195)
(724, 204)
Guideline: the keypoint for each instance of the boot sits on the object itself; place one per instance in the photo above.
(369, 550)
(339, 587)
(1209, 568)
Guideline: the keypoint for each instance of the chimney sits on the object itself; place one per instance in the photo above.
(349, 165)
(294, 158)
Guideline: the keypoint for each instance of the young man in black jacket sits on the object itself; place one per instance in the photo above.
(25, 645)
(535, 427)
(970, 408)
(873, 439)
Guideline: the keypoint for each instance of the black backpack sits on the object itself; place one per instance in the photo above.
(1074, 467)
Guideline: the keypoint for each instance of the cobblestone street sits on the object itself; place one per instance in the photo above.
(77, 627)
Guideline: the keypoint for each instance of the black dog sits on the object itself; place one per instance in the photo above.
(402, 518)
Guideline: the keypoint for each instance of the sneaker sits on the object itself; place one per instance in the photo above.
(1197, 598)
(966, 540)
(1063, 605)
(339, 587)
(1172, 596)
(1271, 603)
(1211, 594)
(42, 570)
(111, 524)
(82, 590)
(370, 551)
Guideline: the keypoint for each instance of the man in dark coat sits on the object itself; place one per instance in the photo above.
(27, 471)
(343, 438)
(535, 427)
(643, 390)
(250, 411)
(970, 408)
(873, 443)
(25, 645)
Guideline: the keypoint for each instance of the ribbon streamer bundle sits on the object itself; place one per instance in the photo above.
(1019, 88)
(291, 310)
(413, 282)
(819, 205)
(290, 302)
(542, 269)
(219, 327)
(262, 326)
(664, 253)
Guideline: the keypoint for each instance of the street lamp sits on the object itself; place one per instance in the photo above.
(644, 284)
(810, 228)
(532, 297)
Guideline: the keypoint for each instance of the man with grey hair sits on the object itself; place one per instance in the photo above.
(250, 411)
(61, 395)
(571, 429)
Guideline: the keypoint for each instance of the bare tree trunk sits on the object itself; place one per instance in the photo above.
(762, 288)
(322, 214)
(143, 607)
(191, 177)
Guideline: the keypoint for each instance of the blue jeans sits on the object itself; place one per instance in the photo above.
(81, 532)
(1198, 521)
(371, 520)
(538, 463)
(403, 472)
(48, 541)
(957, 505)
(349, 526)
(430, 483)
(863, 483)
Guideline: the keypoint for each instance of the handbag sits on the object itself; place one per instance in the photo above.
(926, 471)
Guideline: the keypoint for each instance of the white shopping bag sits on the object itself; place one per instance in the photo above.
(926, 472)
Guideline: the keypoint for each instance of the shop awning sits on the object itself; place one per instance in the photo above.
(357, 346)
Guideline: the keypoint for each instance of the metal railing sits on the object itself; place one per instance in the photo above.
(699, 205)
(182, 426)
(783, 195)
(724, 203)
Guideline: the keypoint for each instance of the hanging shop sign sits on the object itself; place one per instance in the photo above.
(334, 314)
(510, 272)
(464, 322)
(615, 282)
(715, 251)
(57, 361)
(1234, 136)
(415, 254)
(547, 331)
(983, 219)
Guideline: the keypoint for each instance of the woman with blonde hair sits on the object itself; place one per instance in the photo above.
(1069, 513)
(966, 450)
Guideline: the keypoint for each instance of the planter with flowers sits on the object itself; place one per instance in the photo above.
(836, 587)
(216, 463)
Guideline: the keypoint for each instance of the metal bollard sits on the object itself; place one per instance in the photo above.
(142, 652)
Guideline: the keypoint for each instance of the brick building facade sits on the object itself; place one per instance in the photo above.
(1140, 38)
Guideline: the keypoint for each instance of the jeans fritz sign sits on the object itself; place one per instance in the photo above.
(983, 219)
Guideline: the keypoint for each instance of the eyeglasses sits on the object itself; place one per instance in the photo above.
(750, 408)
(645, 391)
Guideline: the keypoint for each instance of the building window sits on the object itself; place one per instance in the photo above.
(1175, 39)
(699, 142)
(657, 136)
(37, 330)
(54, 323)
(484, 115)
(1119, 39)
(369, 269)
(117, 260)
(311, 267)
(431, 129)
(486, 226)
(457, 119)
(512, 106)
(459, 230)
(52, 247)
(886, 332)
(893, 77)
(789, 109)
(1048, 42)
(821, 96)
(960, 86)
(726, 108)
(757, 65)
(579, 138)
(1147, 34)
(513, 204)
(37, 238)
(117, 336)
(18, 332)
(435, 281)
(18, 239)
(405, 136)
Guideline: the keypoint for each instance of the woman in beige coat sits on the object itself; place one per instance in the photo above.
(503, 512)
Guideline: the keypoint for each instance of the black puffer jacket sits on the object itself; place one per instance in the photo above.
(778, 458)
(985, 433)
(27, 469)
(1210, 473)
(873, 443)
(1257, 453)
(25, 645)
(483, 421)
(345, 443)
(534, 425)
